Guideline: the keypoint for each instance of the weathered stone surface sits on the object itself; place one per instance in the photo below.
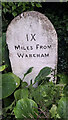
(32, 42)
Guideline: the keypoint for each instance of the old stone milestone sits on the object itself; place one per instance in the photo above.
(32, 42)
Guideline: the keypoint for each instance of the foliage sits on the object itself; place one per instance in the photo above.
(29, 102)
(21, 93)
(42, 74)
(26, 108)
(29, 71)
(65, 90)
(57, 13)
(12, 9)
(53, 112)
(3, 67)
(9, 83)
(63, 107)
(46, 94)
(16, 8)
(47, 100)
(63, 78)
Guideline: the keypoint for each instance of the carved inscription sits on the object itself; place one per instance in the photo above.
(33, 37)
(32, 42)
(32, 48)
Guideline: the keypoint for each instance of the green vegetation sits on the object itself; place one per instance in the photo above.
(48, 100)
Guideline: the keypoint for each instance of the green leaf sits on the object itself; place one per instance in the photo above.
(3, 67)
(38, 5)
(14, 14)
(32, 3)
(29, 71)
(21, 93)
(43, 74)
(65, 90)
(63, 78)
(13, 7)
(24, 6)
(19, 4)
(9, 83)
(63, 107)
(5, 10)
(24, 84)
(16, 79)
(36, 94)
(25, 108)
(53, 111)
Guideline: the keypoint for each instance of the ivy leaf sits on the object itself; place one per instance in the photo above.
(13, 8)
(38, 5)
(19, 4)
(24, 6)
(9, 83)
(33, 4)
(43, 74)
(5, 10)
(25, 108)
(14, 14)
(29, 71)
